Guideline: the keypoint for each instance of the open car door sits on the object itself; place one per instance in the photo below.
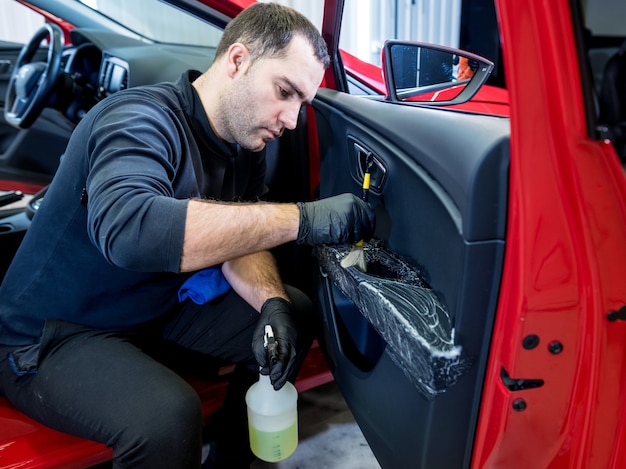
(406, 339)
(477, 335)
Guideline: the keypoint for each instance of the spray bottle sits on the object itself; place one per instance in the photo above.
(272, 415)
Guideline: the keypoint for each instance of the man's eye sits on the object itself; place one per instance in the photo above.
(283, 92)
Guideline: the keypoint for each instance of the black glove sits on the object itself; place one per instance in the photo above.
(342, 219)
(276, 312)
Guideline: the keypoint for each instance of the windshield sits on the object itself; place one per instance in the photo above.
(158, 21)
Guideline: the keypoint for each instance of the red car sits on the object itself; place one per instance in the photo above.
(490, 328)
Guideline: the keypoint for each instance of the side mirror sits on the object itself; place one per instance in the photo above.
(431, 74)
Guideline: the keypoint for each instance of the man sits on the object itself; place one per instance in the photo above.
(142, 203)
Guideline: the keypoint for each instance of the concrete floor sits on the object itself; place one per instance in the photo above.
(329, 438)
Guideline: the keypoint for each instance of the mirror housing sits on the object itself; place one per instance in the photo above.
(431, 74)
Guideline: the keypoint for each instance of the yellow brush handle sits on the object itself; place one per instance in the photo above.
(366, 188)
(366, 181)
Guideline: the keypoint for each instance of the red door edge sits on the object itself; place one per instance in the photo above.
(564, 265)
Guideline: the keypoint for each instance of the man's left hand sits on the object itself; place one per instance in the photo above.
(276, 312)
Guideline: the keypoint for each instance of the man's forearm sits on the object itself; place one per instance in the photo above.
(216, 232)
(255, 278)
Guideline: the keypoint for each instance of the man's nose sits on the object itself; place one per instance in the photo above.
(289, 116)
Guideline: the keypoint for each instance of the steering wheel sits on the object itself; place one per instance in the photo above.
(31, 82)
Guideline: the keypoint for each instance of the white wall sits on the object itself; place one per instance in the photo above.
(368, 23)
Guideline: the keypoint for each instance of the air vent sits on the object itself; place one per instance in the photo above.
(105, 77)
(124, 81)
(64, 59)
(113, 76)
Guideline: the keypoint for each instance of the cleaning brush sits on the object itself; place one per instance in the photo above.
(356, 256)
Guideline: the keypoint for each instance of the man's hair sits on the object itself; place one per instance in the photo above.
(266, 29)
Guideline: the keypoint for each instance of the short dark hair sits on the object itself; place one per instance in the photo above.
(266, 29)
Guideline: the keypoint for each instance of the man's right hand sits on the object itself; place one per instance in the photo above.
(341, 219)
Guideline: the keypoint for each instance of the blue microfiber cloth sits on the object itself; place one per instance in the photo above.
(203, 286)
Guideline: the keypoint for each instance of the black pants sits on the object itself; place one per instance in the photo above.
(119, 388)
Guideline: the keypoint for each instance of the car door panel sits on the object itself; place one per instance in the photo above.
(8, 58)
(441, 208)
(29, 155)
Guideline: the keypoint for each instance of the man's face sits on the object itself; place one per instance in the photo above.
(266, 97)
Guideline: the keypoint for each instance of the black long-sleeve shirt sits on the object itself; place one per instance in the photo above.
(104, 248)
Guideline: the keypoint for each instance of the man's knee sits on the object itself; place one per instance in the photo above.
(165, 430)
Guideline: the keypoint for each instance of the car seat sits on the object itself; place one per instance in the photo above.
(612, 101)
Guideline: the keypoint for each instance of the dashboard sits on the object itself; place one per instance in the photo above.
(98, 64)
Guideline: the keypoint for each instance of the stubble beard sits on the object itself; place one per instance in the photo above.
(239, 111)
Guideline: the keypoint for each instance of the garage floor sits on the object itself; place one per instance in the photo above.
(328, 436)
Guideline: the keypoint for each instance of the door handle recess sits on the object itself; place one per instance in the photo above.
(366, 159)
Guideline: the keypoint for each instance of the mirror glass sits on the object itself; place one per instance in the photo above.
(426, 73)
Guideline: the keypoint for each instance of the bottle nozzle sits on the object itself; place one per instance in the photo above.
(270, 343)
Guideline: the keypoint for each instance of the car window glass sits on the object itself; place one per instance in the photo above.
(158, 21)
(17, 22)
(367, 24)
(602, 24)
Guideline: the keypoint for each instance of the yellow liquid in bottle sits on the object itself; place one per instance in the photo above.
(274, 446)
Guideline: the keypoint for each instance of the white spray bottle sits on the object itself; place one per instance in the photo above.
(272, 415)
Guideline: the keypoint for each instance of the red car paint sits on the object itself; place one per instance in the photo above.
(564, 266)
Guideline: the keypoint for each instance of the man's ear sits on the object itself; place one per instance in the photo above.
(237, 58)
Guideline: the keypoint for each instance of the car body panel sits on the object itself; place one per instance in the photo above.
(564, 263)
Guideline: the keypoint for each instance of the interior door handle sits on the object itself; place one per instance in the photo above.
(367, 160)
